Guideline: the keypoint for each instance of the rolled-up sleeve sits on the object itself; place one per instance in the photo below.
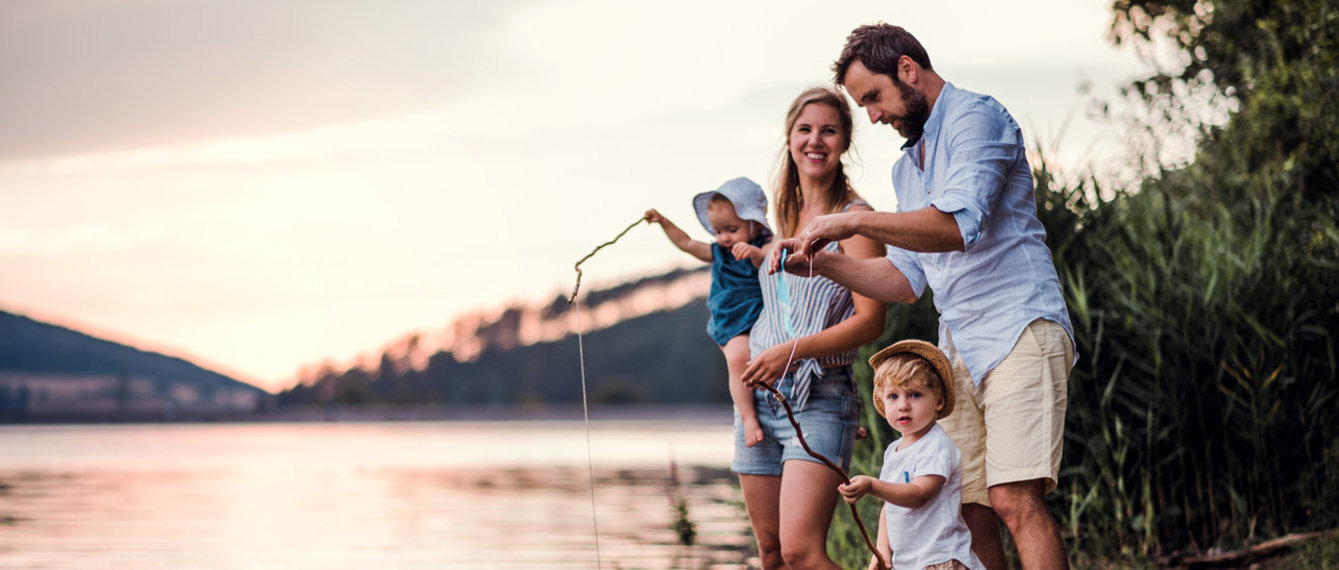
(909, 263)
(984, 143)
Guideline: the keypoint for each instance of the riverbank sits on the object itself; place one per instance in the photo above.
(699, 414)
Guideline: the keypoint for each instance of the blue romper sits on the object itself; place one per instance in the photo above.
(735, 300)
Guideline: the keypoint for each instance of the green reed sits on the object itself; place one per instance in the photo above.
(1203, 407)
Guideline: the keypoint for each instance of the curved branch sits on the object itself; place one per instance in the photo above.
(799, 434)
(577, 287)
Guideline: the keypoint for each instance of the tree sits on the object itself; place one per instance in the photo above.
(1273, 64)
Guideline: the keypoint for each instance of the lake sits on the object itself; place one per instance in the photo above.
(432, 494)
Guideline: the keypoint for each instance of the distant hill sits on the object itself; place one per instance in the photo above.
(52, 372)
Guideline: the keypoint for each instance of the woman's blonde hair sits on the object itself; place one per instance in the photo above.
(786, 192)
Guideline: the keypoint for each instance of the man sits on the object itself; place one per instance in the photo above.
(966, 226)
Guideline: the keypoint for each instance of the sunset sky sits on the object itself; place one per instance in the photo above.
(260, 186)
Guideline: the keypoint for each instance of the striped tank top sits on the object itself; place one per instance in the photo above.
(816, 304)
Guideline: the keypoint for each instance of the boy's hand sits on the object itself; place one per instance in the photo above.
(857, 488)
(652, 216)
(874, 563)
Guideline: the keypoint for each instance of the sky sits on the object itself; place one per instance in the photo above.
(264, 186)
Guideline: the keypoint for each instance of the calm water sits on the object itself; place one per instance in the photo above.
(366, 495)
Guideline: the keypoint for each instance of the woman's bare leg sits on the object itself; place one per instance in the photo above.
(762, 498)
(808, 498)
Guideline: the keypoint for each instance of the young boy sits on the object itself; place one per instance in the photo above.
(736, 213)
(921, 524)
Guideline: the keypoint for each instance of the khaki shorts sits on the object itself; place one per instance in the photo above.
(1011, 426)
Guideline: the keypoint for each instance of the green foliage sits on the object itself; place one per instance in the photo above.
(1273, 65)
(1206, 392)
(1205, 303)
(1321, 553)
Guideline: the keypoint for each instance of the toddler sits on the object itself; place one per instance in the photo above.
(736, 213)
(921, 523)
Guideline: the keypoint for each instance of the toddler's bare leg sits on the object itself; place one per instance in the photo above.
(736, 359)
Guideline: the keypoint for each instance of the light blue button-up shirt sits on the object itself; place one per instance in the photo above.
(976, 169)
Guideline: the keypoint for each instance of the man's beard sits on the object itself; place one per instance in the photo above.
(918, 111)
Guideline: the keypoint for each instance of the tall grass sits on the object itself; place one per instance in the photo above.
(1203, 411)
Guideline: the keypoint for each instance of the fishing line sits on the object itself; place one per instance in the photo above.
(585, 407)
(585, 412)
(783, 295)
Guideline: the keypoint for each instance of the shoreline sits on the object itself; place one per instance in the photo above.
(709, 414)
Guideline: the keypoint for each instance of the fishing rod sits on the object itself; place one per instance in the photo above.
(585, 407)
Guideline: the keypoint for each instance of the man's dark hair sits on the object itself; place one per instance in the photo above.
(878, 47)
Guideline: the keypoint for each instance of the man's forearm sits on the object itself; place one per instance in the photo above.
(875, 278)
(926, 230)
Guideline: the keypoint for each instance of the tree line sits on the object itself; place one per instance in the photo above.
(660, 358)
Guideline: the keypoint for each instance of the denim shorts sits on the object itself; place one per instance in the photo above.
(829, 420)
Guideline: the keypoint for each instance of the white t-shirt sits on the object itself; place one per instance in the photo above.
(934, 533)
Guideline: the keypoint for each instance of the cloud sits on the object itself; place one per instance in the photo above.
(84, 77)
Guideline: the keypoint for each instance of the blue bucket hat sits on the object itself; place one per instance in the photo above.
(748, 198)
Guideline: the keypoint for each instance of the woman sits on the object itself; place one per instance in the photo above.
(791, 496)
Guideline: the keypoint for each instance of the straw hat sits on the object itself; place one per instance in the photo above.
(748, 198)
(929, 352)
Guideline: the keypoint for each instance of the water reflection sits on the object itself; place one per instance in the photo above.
(421, 495)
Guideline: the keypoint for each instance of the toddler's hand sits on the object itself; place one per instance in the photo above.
(652, 216)
(857, 488)
(745, 251)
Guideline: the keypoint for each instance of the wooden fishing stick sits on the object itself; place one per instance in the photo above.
(799, 434)
(577, 287)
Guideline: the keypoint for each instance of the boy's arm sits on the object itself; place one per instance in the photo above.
(910, 495)
(680, 239)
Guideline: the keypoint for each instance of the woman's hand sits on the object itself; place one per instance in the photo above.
(798, 262)
(769, 366)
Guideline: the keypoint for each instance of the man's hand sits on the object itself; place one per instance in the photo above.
(824, 230)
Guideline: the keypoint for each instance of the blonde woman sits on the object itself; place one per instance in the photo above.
(789, 495)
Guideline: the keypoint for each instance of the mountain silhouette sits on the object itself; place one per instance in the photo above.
(50, 372)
